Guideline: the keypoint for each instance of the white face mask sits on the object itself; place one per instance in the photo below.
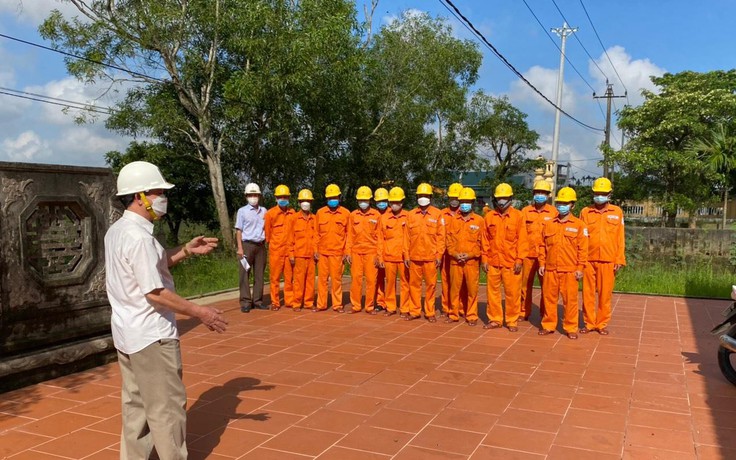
(253, 200)
(396, 207)
(160, 205)
(363, 205)
(423, 201)
(305, 205)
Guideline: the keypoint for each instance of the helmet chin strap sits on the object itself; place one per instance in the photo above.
(147, 205)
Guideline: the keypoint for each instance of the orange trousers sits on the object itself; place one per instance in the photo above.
(556, 283)
(303, 282)
(498, 276)
(380, 287)
(446, 275)
(417, 272)
(392, 269)
(528, 272)
(598, 278)
(329, 267)
(363, 265)
(464, 290)
(278, 265)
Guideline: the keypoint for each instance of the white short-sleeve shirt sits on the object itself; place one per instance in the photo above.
(136, 264)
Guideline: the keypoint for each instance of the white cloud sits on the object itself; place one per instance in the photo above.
(28, 146)
(88, 142)
(36, 11)
(545, 80)
(71, 89)
(635, 73)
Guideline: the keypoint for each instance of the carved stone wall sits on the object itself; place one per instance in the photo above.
(54, 312)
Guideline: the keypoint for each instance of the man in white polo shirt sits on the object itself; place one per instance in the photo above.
(144, 304)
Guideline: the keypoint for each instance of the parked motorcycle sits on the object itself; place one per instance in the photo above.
(727, 338)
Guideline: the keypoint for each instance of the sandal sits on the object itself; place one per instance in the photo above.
(584, 330)
(492, 325)
(298, 309)
(403, 315)
(372, 312)
(275, 308)
(389, 313)
(339, 310)
(572, 336)
(411, 318)
(513, 329)
(450, 320)
(352, 312)
(603, 331)
(545, 332)
(432, 319)
(472, 322)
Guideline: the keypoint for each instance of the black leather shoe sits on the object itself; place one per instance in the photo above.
(245, 309)
(262, 307)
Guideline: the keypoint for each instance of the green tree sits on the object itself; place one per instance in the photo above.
(660, 131)
(718, 150)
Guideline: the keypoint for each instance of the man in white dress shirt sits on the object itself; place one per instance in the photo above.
(144, 304)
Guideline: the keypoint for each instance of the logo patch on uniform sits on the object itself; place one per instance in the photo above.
(474, 227)
(433, 221)
(612, 216)
(571, 229)
(547, 218)
(585, 231)
(373, 221)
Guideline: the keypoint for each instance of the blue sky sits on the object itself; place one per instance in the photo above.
(642, 38)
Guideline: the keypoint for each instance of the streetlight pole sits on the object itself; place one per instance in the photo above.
(563, 32)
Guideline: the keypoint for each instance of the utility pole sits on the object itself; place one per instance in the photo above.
(608, 96)
(563, 32)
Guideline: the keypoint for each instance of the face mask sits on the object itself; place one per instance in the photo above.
(305, 205)
(282, 203)
(563, 209)
(600, 199)
(423, 201)
(363, 205)
(333, 202)
(159, 206)
(454, 203)
(539, 199)
(396, 207)
(382, 205)
(466, 207)
(253, 200)
(502, 203)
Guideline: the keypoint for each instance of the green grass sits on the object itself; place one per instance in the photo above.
(219, 271)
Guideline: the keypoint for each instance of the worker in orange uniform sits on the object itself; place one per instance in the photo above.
(448, 213)
(393, 250)
(426, 248)
(535, 215)
(562, 256)
(332, 234)
(380, 196)
(606, 256)
(278, 233)
(505, 247)
(464, 245)
(303, 248)
(362, 251)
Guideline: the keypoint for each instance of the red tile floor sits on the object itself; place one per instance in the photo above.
(287, 385)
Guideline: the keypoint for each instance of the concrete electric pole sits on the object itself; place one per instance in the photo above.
(608, 96)
(563, 32)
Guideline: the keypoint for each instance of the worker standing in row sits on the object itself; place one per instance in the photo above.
(380, 196)
(278, 231)
(362, 251)
(303, 250)
(332, 227)
(448, 213)
(393, 250)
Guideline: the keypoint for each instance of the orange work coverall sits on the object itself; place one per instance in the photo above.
(465, 236)
(505, 245)
(393, 247)
(380, 288)
(332, 233)
(426, 247)
(277, 235)
(362, 245)
(564, 251)
(535, 219)
(606, 249)
(448, 214)
(303, 248)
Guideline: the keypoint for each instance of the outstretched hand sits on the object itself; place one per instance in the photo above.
(202, 244)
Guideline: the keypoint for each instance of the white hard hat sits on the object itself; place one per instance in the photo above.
(140, 176)
(252, 189)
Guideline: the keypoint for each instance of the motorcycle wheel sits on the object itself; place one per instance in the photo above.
(724, 362)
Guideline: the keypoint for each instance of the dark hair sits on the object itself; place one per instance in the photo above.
(127, 200)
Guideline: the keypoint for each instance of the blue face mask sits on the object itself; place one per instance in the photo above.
(382, 205)
(333, 202)
(465, 207)
(600, 199)
(539, 199)
(563, 209)
(283, 203)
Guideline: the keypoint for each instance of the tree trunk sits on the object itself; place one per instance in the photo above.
(218, 192)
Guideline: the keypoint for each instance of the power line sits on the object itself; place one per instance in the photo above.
(565, 54)
(71, 104)
(450, 6)
(91, 109)
(604, 50)
(581, 43)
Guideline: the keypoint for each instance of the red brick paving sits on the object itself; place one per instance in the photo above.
(287, 385)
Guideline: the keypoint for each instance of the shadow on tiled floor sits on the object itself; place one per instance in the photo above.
(287, 385)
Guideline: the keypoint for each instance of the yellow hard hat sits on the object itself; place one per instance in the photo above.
(305, 195)
(454, 190)
(364, 193)
(503, 191)
(542, 185)
(380, 194)
(566, 195)
(424, 189)
(332, 191)
(467, 193)
(602, 185)
(282, 190)
(396, 194)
